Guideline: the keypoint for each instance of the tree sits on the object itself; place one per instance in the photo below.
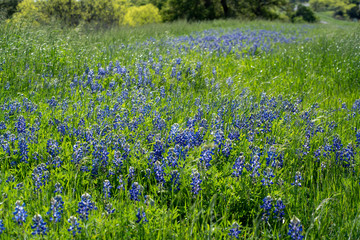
(8, 7)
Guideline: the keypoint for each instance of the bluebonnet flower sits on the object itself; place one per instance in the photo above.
(131, 175)
(195, 183)
(267, 206)
(100, 157)
(58, 188)
(159, 172)
(347, 156)
(141, 216)
(234, 231)
(118, 160)
(135, 191)
(52, 147)
(78, 153)
(19, 186)
(2, 126)
(106, 189)
(56, 208)
(172, 158)
(121, 183)
(20, 125)
(2, 227)
(74, 228)
(271, 157)
(219, 138)
(11, 178)
(295, 229)
(358, 138)
(206, 157)
(23, 150)
(238, 166)
(39, 225)
(268, 175)
(20, 214)
(279, 209)
(227, 148)
(298, 179)
(52, 102)
(40, 176)
(109, 209)
(56, 162)
(175, 180)
(254, 166)
(85, 206)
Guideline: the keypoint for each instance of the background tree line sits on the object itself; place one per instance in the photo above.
(137, 12)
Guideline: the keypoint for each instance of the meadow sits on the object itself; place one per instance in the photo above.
(210, 130)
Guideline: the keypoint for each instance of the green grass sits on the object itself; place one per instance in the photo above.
(321, 67)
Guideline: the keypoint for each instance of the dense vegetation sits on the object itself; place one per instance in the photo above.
(221, 129)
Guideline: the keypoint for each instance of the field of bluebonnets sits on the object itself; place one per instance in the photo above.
(217, 130)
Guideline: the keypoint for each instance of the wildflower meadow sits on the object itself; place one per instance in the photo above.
(213, 130)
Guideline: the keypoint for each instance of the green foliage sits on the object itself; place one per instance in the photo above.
(145, 14)
(305, 13)
(8, 7)
(354, 12)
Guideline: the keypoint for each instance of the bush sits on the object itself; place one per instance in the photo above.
(305, 13)
(354, 12)
(142, 15)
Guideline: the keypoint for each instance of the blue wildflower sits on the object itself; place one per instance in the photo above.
(106, 189)
(141, 216)
(298, 179)
(268, 175)
(195, 183)
(279, 209)
(238, 166)
(85, 206)
(135, 192)
(206, 157)
(267, 206)
(295, 229)
(74, 228)
(159, 172)
(234, 231)
(175, 180)
(20, 125)
(109, 209)
(121, 183)
(39, 225)
(131, 175)
(23, 150)
(40, 176)
(2, 227)
(56, 208)
(58, 188)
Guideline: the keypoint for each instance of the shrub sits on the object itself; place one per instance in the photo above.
(305, 13)
(142, 15)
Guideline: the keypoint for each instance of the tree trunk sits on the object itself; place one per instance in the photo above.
(225, 8)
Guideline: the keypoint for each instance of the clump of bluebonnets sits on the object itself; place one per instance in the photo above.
(106, 189)
(39, 226)
(2, 227)
(141, 216)
(85, 206)
(295, 229)
(56, 208)
(298, 179)
(74, 227)
(235, 230)
(20, 214)
(195, 183)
